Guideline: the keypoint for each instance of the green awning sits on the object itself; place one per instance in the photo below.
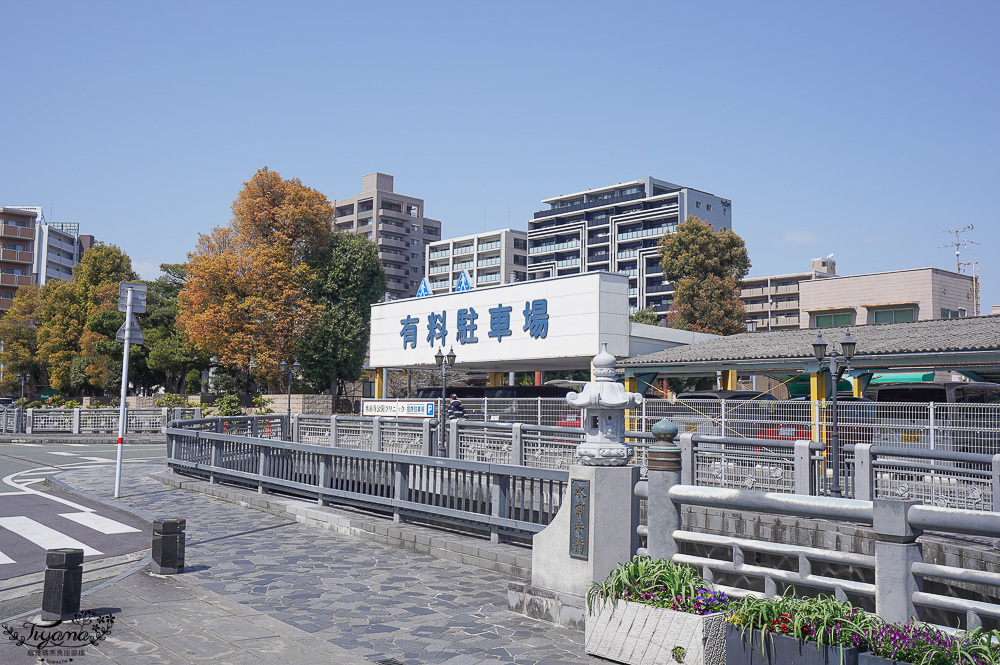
(908, 377)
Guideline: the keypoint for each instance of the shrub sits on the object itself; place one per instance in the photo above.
(659, 583)
(228, 405)
(262, 405)
(821, 619)
(171, 400)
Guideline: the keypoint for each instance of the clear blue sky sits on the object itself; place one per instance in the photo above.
(861, 129)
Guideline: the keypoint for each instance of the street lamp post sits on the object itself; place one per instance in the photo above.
(21, 376)
(445, 363)
(294, 369)
(836, 365)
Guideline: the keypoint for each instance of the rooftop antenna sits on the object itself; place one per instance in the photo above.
(958, 244)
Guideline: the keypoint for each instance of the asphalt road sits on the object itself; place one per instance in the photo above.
(33, 519)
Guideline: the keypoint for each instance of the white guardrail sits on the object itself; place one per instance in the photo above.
(91, 421)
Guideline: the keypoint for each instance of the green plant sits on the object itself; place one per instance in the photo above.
(171, 400)
(228, 405)
(660, 583)
(262, 405)
(821, 619)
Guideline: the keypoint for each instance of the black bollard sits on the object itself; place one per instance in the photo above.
(63, 581)
(168, 545)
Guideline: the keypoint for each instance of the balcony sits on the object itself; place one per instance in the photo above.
(552, 247)
(16, 256)
(464, 265)
(568, 262)
(659, 288)
(386, 241)
(467, 249)
(603, 221)
(628, 254)
(493, 278)
(631, 272)
(586, 205)
(439, 254)
(485, 263)
(440, 284)
(15, 280)
(395, 272)
(437, 270)
(601, 257)
(486, 246)
(646, 233)
(11, 231)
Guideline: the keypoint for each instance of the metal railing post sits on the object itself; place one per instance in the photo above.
(932, 430)
(76, 421)
(377, 433)
(687, 458)
(996, 492)
(400, 490)
(254, 426)
(214, 460)
(428, 427)
(333, 431)
(803, 480)
(896, 550)
(499, 502)
(454, 449)
(722, 417)
(516, 445)
(295, 427)
(262, 468)
(864, 472)
(18, 421)
(325, 471)
(164, 418)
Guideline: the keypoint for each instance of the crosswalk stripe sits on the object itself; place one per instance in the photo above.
(98, 523)
(43, 536)
(97, 459)
(60, 452)
(5, 559)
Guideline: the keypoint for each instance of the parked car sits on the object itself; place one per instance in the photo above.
(794, 420)
(6, 402)
(745, 412)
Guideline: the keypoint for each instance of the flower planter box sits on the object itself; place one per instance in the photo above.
(635, 633)
(744, 648)
(868, 659)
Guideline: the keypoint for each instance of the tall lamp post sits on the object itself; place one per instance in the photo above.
(445, 362)
(836, 364)
(294, 369)
(22, 377)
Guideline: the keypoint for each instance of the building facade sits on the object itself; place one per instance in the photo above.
(17, 228)
(897, 296)
(497, 257)
(58, 247)
(396, 224)
(772, 302)
(617, 228)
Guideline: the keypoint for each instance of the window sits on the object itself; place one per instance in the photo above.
(953, 313)
(831, 320)
(520, 243)
(708, 207)
(899, 315)
(725, 211)
(697, 204)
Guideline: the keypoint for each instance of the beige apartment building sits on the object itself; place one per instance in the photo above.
(17, 226)
(772, 302)
(397, 225)
(495, 257)
(918, 294)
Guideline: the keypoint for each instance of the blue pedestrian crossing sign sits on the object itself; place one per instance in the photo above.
(422, 290)
(463, 283)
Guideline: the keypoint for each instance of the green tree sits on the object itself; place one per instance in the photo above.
(169, 356)
(706, 267)
(349, 278)
(646, 316)
(19, 339)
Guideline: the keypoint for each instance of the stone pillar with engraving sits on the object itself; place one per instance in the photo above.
(595, 528)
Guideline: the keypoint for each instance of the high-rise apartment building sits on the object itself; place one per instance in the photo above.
(58, 247)
(496, 257)
(17, 230)
(617, 228)
(772, 302)
(396, 224)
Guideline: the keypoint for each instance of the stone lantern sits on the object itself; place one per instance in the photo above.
(604, 402)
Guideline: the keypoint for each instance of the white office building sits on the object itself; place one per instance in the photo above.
(492, 258)
(617, 228)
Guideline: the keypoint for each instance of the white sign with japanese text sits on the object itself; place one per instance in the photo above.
(541, 324)
(397, 408)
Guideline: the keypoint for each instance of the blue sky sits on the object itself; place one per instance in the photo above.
(861, 129)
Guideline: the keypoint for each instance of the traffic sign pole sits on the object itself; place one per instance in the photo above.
(121, 407)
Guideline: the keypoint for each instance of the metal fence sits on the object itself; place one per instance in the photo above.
(969, 428)
(500, 499)
(91, 421)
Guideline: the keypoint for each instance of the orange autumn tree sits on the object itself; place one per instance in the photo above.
(247, 289)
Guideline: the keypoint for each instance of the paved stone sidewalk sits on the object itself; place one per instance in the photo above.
(372, 600)
(162, 620)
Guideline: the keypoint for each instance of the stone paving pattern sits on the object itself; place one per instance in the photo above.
(373, 600)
